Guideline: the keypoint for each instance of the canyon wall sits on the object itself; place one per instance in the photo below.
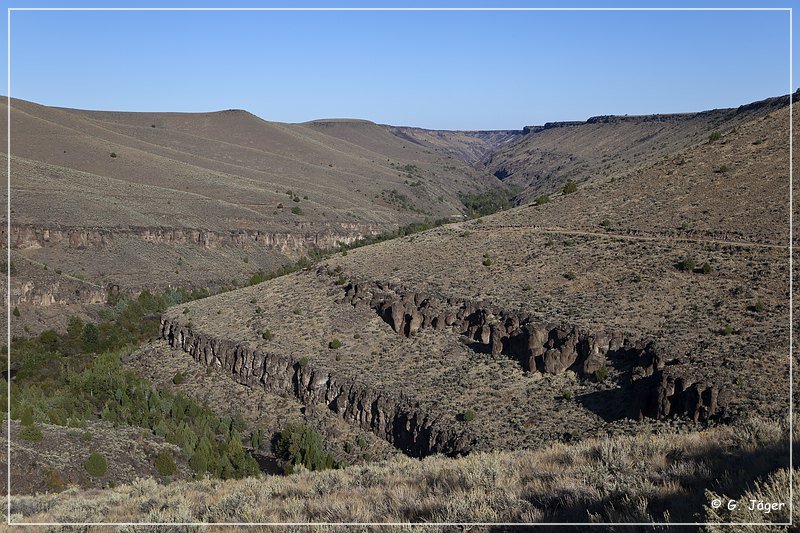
(292, 243)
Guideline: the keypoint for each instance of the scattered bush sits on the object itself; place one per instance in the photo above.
(96, 465)
(266, 335)
(303, 362)
(488, 202)
(570, 275)
(706, 268)
(31, 433)
(570, 187)
(715, 136)
(567, 394)
(297, 211)
(542, 199)
(165, 465)
(468, 415)
(15, 312)
(686, 264)
(722, 170)
(601, 373)
(297, 444)
(113, 154)
(335, 344)
(178, 378)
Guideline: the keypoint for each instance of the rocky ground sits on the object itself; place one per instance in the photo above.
(536, 322)
(56, 462)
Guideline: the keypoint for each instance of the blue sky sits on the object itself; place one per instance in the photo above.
(448, 70)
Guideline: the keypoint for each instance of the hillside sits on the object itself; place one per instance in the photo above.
(604, 352)
(547, 156)
(126, 201)
(588, 306)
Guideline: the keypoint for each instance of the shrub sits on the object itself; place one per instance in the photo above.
(341, 280)
(706, 268)
(178, 378)
(487, 262)
(96, 465)
(335, 344)
(570, 275)
(296, 199)
(727, 330)
(757, 307)
(297, 211)
(570, 187)
(542, 199)
(113, 154)
(567, 394)
(27, 417)
(715, 136)
(303, 362)
(601, 373)
(15, 312)
(297, 444)
(686, 264)
(606, 223)
(722, 170)
(266, 335)
(165, 465)
(468, 415)
(30, 433)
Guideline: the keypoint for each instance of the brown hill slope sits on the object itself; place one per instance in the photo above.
(473, 336)
(201, 199)
(546, 157)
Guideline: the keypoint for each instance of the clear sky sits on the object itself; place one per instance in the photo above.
(445, 70)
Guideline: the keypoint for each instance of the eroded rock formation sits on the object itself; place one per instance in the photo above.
(300, 241)
(658, 389)
(397, 420)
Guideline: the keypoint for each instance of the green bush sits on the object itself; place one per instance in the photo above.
(488, 202)
(266, 335)
(542, 199)
(165, 464)
(178, 378)
(303, 362)
(569, 275)
(297, 444)
(297, 211)
(31, 433)
(570, 187)
(15, 312)
(96, 465)
(715, 136)
(27, 416)
(468, 415)
(686, 264)
(335, 344)
(706, 268)
(601, 373)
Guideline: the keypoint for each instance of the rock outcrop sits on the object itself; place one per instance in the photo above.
(289, 242)
(395, 419)
(657, 390)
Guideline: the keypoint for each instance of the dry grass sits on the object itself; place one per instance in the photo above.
(642, 478)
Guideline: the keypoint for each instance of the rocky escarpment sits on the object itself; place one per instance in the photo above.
(398, 420)
(306, 238)
(58, 293)
(658, 388)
